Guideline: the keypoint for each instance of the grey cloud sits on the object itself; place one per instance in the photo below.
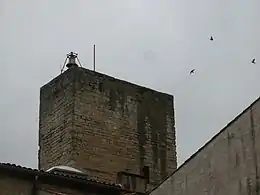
(36, 35)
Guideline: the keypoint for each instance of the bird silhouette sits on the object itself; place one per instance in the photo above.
(192, 71)
(253, 61)
(211, 38)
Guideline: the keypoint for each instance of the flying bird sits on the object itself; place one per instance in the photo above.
(253, 61)
(211, 38)
(192, 71)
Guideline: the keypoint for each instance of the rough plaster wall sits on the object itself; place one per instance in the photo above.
(122, 127)
(53, 190)
(11, 185)
(56, 122)
(108, 126)
(44, 189)
(229, 164)
(14, 186)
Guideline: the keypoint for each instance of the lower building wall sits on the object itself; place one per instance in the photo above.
(55, 190)
(228, 164)
(10, 184)
(14, 186)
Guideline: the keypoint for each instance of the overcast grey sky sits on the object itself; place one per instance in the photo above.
(149, 42)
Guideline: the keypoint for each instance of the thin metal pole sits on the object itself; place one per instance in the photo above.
(94, 57)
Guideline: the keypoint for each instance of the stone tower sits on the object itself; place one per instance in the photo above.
(102, 125)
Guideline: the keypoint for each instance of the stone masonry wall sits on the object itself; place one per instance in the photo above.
(56, 121)
(228, 164)
(116, 126)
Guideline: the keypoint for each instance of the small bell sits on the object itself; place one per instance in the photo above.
(72, 60)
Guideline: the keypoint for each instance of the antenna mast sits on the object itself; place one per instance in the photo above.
(94, 57)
